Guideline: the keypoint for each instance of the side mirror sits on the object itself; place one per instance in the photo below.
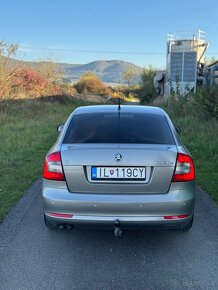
(60, 127)
(178, 130)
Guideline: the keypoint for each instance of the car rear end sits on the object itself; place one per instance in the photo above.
(122, 166)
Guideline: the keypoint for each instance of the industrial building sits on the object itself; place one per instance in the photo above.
(211, 74)
(185, 65)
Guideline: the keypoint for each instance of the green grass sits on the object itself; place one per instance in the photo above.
(201, 139)
(200, 135)
(27, 131)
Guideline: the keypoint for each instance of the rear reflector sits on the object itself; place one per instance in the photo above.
(53, 169)
(184, 170)
(62, 215)
(171, 217)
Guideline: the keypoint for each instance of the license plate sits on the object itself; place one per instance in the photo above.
(118, 173)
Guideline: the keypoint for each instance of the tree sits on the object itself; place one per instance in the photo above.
(8, 67)
(128, 75)
(8, 50)
(210, 60)
(148, 91)
(48, 69)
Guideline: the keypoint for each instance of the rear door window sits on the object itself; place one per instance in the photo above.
(119, 128)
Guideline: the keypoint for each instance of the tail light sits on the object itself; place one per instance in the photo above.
(184, 170)
(53, 167)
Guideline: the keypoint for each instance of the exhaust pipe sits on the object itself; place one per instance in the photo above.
(117, 230)
(65, 226)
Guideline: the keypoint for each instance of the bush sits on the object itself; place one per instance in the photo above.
(203, 103)
(206, 102)
(69, 89)
(117, 95)
(28, 82)
(89, 83)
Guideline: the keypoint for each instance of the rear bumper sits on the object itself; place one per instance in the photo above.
(128, 222)
(132, 211)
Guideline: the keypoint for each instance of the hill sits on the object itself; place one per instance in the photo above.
(110, 71)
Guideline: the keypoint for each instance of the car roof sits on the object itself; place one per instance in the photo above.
(124, 108)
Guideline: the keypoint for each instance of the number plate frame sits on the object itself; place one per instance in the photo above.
(118, 173)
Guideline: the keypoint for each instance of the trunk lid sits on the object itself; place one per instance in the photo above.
(78, 159)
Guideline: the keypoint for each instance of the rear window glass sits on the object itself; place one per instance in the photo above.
(118, 128)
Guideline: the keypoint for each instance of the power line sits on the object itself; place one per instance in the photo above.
(37, 48)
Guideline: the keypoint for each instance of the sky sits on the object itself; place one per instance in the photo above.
(81, 31)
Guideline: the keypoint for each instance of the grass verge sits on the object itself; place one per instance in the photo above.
(201, 139)
(27, 131)
(200, 135)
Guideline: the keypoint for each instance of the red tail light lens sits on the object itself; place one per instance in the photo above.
(53, 169)
(184, 168)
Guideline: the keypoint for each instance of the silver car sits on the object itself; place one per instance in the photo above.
(118, 167)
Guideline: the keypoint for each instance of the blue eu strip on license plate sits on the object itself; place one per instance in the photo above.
(94, 172)
(118, 173)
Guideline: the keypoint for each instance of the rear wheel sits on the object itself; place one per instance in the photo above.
(49, 225)
(186, 227)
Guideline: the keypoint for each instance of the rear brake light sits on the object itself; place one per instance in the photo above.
(53, 168)
(184, 170)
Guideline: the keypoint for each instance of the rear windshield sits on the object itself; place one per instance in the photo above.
(118, 128)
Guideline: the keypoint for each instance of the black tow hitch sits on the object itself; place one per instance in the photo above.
(117, 230)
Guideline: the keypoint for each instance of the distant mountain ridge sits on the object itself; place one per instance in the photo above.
(110, 71)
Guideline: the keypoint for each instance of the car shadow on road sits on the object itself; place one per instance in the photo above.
(136, 238)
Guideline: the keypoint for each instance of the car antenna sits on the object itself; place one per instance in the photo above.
(119, 107)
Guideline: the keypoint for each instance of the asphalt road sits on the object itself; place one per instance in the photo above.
(32, 257)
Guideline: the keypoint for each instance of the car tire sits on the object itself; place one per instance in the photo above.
(186, 227)
(49, 225)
